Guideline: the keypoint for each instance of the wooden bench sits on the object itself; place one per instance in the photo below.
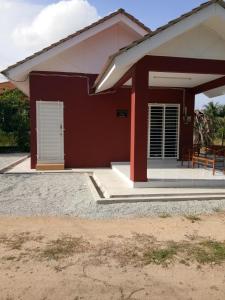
(204, 161)
(186, 154)
(209, 157)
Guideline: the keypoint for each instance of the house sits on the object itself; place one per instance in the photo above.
(115, 91)
(7, 85)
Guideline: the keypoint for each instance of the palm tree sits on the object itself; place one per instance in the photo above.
(212, 111)
(221, 130)
(202, 131)
(222, 111)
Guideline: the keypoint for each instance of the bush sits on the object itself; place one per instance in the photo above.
(14, 117)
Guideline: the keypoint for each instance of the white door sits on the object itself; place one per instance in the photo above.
(163, 133)
(50, 132)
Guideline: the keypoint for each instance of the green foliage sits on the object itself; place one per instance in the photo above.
(160, 256)
(220, 134)
(202, 129)
(210, 124)
(14, 117)
(6, 139)
(208, 252)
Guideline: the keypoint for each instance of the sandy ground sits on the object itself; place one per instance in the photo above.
(71, 258)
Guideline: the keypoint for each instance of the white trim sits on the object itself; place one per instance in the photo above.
(60, 116)
(129, 57)
(164, 106)
(140, 30)
(107, 76)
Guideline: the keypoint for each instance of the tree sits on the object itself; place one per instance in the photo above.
(202, 131)
(221, 130)
(210, 124)
(211, 110)
(14, 117)
(222, 111)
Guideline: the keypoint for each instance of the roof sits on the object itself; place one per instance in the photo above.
(119, 11)
(6, 86)
(153, 33)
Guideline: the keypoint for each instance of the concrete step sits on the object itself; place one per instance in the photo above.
(160, 199)
(111, 189)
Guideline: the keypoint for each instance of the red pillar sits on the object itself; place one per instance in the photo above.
(139, 121)
(187, 122)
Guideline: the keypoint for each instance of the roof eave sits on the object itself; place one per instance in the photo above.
(112, 58)
(77, 33)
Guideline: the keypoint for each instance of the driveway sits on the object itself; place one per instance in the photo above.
(68, 194)
(7, 159)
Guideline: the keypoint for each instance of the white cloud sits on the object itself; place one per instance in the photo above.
(26, 27)
(54, 22)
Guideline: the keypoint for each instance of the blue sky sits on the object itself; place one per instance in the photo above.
(153, 13)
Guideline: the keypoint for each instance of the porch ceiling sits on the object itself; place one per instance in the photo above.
(179, 79)
(182, 80)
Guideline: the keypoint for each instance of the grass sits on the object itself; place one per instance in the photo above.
(64, 247)
(140, 249)
(218, 210)
(193, 218)
(164, 215)
(160, 256)
(204, 252)
(209, 252)
(16, 241)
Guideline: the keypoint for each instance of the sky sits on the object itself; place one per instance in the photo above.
(27, 26)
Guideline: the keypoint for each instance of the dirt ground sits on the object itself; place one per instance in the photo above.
(147, 258)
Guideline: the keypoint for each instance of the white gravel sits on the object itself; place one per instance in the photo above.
(68, 194)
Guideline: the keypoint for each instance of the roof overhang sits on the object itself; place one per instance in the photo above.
(19, 72)
(211, 14)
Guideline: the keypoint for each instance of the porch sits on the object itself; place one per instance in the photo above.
(171, 174)
(169, 182)
(171, 59)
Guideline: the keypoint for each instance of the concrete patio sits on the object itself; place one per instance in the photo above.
(171, 174)
(168, 181)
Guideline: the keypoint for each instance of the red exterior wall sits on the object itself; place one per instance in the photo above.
(94, 135)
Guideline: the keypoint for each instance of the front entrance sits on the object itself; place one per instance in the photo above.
(163, 131)
(50, 133)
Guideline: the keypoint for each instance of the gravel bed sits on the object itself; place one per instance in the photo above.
(7, 159)
(68, 194)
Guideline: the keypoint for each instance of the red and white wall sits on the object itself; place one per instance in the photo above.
(94, 135)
